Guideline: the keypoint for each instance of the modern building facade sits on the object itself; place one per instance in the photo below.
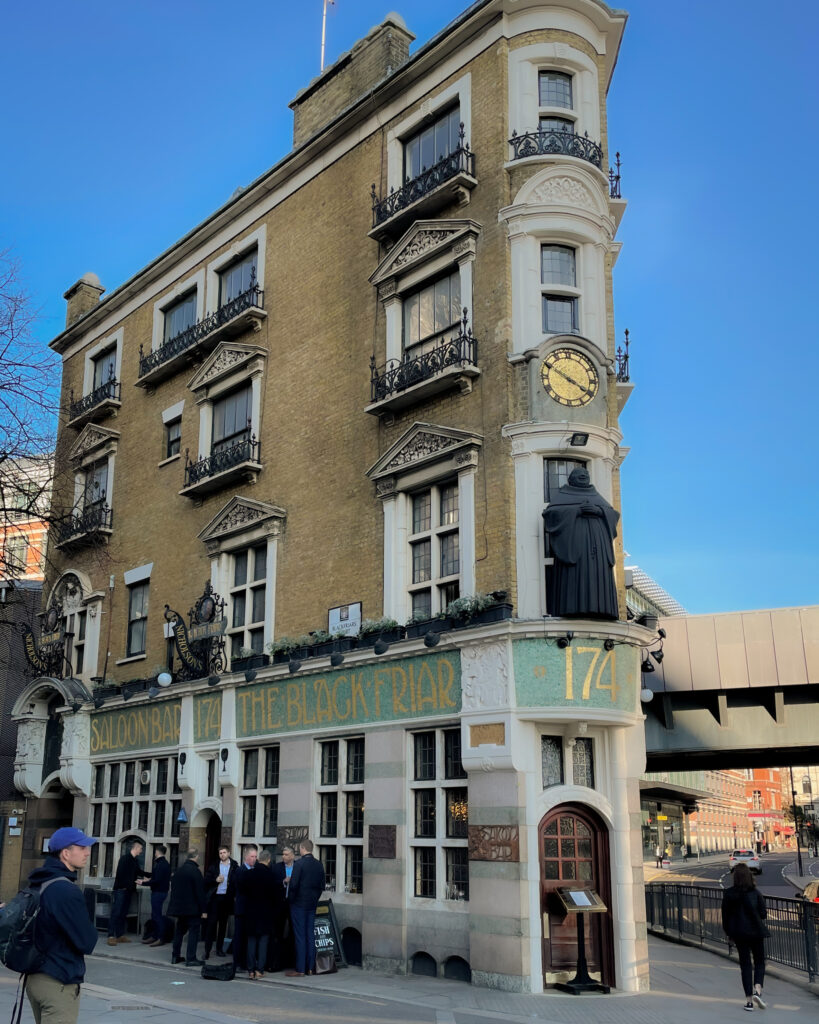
(349, 396)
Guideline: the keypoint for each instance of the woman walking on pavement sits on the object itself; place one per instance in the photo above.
(743, 921)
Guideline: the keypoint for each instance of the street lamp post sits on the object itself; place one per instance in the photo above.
(795, 825)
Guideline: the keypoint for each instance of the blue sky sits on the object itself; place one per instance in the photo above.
(125, 124)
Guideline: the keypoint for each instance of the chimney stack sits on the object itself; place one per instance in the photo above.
(82, 297)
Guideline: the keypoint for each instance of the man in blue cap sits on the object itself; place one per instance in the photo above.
(64, 929)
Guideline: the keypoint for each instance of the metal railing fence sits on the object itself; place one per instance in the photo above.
(693, 914)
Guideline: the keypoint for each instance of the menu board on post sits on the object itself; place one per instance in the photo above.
(327, 935)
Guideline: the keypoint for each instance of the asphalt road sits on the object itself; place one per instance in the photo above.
(715, 871)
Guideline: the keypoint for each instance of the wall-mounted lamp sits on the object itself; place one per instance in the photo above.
(294, 665)
(657, 655)
(213, 680)
(646, 695)
(127, 694)
(336, 658)
(661, 633)
(250, 675)
(223, 754)
(565, 641)
(98, 702)
(579, 440)
(646, 666)
(608, 644)
(153, 692)
(164, 679)
(380, 646)
(75, 707)
(431, 639)
(183, 757)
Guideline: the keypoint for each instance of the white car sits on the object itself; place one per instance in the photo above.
(745, 857)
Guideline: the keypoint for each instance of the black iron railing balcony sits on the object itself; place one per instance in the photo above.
(110, 391)
(91, 520)
(556, 141)
(622, 362)
(217, 462)
(252, 298)
(460, 161)
(399, 374)
(614, 178)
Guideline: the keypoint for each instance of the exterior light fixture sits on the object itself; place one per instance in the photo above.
(608, 644)
(294, 665)
(98, 702)
(153, 692)
(223, 754)
(380, 646)
(75, 707)
(657, 655)
(213, 680)
(646, 666)
(565, 641)
(661, 633)
(431, 639)
(127, 694)
(579, 440)
(250, 675)
(164, 679)
(336, 658)
(646, 695)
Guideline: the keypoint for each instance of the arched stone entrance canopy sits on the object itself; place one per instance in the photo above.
(50, 738)
(206, 831)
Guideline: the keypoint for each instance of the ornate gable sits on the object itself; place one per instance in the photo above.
(226, 358)
(91, 440)
(426, 444)
(575, 189)
(240, 516)
(423, 241)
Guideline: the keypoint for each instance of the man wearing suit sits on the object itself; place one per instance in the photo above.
(281, 952)
(303, 894)
(187, 904)
(250, 853)
(220, 888)
(160, 884)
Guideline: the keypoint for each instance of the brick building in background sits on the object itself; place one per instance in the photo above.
(356, 397)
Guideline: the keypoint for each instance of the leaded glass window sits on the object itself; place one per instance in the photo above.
(555, 89)
(583, 762)
(551, 753)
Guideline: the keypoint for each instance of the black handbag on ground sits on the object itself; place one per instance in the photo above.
(219, 972)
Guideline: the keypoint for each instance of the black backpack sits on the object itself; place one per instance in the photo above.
(18, 944)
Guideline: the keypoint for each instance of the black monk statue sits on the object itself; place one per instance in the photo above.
(582, 527)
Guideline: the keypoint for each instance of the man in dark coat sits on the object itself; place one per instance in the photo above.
(303, 894)
(125, 883)
(187, 904)
(64, 929)
(255, 890)
(220, 888)
(282, 951)
(249, 854)
(581, 526)
(160, 884)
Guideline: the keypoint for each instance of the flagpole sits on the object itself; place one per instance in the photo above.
(323, 31)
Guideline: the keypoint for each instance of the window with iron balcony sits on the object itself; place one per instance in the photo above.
(101, 389)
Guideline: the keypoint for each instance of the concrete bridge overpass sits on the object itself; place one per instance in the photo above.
(735, 690)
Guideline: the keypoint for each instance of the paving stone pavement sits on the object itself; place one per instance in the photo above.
(134, 984)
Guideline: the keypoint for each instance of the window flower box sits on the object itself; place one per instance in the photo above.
(242, 664)
(420, 627)
(332, 646)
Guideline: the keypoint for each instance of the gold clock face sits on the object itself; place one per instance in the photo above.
(569, 377)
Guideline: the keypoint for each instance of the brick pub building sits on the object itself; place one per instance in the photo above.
(349, 394)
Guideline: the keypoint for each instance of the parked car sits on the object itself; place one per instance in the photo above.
(811, 892)
(745, 857)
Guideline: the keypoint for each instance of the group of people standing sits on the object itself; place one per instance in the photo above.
(272, 905)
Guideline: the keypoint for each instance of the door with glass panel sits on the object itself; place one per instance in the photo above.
(574, 852)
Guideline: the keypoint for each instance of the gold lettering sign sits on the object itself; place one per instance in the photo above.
(152, 725)
(410, 688)
(207, 717)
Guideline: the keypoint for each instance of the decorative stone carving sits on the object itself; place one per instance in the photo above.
(223, 361)
(484, 677)
(388, 289)
(419, 447)
(76, 735)
(386, 488)
(487, 764)
(91, 438)
(499, 843)
(242, 514)
(28, 760)
(566, 190)
(382, 842)
(421, 243)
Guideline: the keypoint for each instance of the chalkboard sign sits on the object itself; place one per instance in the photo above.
(328, 937)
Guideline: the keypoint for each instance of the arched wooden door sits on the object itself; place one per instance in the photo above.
(574, 851)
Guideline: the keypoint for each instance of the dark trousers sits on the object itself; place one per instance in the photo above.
(218, 914)
(191, 926)
(256, 952)
(302, 919)
(158, 918)
(119, 910)
(238, 942)
(747, 948)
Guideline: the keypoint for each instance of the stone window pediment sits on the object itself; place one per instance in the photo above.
(228, 364)
(424, 453)
(240, 522)
(93, 443)
(425, 243)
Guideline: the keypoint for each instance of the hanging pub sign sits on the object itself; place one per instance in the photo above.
(201, 644)
(46, 657)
